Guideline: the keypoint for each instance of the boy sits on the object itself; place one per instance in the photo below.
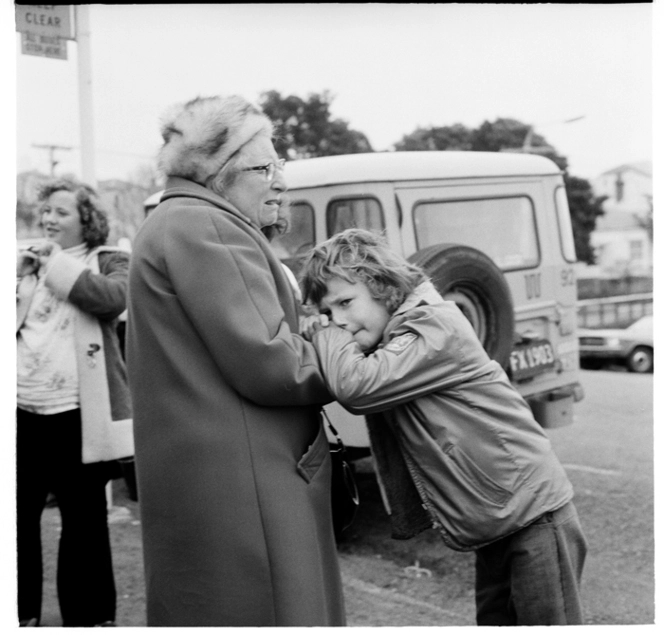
(455, 445)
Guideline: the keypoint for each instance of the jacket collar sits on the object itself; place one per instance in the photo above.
(177, 186)
(424, 293)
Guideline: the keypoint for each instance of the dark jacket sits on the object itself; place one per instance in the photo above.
(456, 445)
(232, 462)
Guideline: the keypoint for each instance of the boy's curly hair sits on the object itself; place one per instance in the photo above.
(358, 254)
(93, 216)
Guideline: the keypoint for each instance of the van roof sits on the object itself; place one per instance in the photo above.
(409, 166)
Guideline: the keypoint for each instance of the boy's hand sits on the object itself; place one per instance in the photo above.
(310, 324)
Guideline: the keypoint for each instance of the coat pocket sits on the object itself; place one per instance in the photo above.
(314, 457)
(475, 478)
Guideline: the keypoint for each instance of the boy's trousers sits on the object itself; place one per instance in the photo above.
(532, 577)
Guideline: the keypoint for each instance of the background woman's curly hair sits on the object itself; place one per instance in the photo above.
(93, 216)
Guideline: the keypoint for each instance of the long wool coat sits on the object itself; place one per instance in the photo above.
(232, 462)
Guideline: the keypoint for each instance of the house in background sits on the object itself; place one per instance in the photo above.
(623, 236)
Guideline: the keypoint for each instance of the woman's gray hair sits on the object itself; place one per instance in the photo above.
(225, 177)
(202, 135)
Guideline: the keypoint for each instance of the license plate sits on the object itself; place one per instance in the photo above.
(532, 358)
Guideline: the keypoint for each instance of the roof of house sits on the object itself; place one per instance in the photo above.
(642, 167)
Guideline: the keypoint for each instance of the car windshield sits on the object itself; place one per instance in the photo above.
(642, 324)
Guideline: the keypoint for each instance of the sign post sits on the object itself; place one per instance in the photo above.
(85, 95)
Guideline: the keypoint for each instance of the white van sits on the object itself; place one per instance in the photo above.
(492, 230)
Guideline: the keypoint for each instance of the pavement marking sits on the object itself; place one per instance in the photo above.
(591, 470)
(372, 589)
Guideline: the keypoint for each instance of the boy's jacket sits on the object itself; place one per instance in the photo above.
(455, 444)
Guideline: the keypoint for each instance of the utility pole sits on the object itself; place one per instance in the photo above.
(88, 171)
(51, 153)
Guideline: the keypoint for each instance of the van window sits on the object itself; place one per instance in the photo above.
(365, 213)
(565, 225)
(503, 228)
(300, 237)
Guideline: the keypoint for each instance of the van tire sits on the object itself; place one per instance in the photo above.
(471, 279)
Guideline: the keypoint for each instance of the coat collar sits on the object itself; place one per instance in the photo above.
(177, 186)
(424, 293)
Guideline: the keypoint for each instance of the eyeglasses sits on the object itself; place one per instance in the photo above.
(269, 169)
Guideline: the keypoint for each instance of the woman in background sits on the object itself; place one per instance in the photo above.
(73, 409)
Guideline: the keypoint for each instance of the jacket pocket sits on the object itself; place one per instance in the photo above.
(475, 478)
(314, 457)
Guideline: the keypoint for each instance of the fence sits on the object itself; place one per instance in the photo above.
(613, 312)
(613, 287)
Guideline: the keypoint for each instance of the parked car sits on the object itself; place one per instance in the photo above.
(632, 346)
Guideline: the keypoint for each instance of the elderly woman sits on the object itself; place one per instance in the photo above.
(232, 461)
(73, 414)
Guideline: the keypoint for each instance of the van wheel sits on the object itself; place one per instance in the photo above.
(470, 278)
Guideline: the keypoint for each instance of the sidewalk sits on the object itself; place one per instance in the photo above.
(369, 604)
(382, 602)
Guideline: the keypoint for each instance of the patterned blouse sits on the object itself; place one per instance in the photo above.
(47, 372)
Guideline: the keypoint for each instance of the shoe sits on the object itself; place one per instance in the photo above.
(106, 623)
(33, 621)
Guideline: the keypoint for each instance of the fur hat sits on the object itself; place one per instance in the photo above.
(201, 135)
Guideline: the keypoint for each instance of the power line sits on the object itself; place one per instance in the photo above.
(131, 154)
(101, 150)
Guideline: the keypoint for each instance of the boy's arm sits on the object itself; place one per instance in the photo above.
(421, 357)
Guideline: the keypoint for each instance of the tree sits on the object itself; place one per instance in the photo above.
(456, 137)
(305, 128)
(584, 209)
(500, 136)
(510, 135)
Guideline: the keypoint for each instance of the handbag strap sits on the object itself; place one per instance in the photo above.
(334, 430)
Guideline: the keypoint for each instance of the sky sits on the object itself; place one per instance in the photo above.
(391, 67)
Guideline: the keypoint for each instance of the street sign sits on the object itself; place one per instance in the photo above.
(52, 20)
(44, 45)
(45, 29)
